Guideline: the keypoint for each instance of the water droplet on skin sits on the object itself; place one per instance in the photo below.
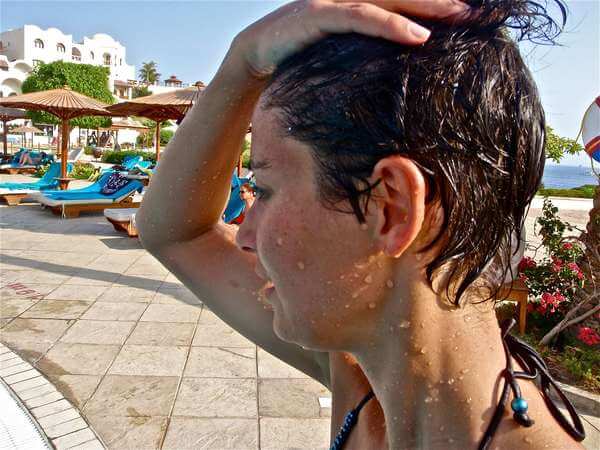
(342, 277)
(364, 226)
(372, 305)
(404, 324)
(467, 318)
(368, 279)
(300, 265)
(450, 440)
(442, 428)
(461, 377)
(355, 295)
(346, 306)
(527, 440)
(451, 381)
(329, 282)
(428, 399)
(468, 400)
(371, 259)
(312, 321)
(422, 325)
(422, 351)
(389, 284)
(418, 256)
(464, 371)
(279, 242)
(380, 264)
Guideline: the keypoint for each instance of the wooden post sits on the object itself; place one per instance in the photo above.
(157, 140)
(64, 141)
(5, 138)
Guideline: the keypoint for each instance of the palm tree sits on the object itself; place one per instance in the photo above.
(148, 73)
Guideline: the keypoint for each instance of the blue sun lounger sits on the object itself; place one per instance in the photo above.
(71, 203)
(13, 193)
(14, 166)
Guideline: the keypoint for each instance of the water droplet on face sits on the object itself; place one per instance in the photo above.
(422, 351)
(355, 295)
(442, 428)
(527, 440)
(329, 282)
(346, 306)
(372, 305)
(389, 284)
(300, 265)
(428, 399)
(368, 279)
(451, 381)
(464, 371)
(380, 264)
(342, 277)
(364, 226)
(404, 324)
(468, 400)
(279, 241)
(467, 318)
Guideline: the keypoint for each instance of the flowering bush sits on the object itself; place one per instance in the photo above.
(588, 336)
(554, 279)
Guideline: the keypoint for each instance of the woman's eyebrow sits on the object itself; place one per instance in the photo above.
(260, 164)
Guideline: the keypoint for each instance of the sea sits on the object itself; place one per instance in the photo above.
(564, 177)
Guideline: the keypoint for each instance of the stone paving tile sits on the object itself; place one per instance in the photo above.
(176, 296)
(220, 362)
(50, 408)
(57, 309)
(164, 334)
(171, 313)
(149, 282)
(76, 292)
(44, 399)
(58, 418)
(41, 277)
(21, 376)
(25, 290)
(98, 332)
(216, 397)
(93, 278)
(12, 307)
(72, 439)
(133, 396)
(65, 428)
(36, 392)
(212, 331)
(76, 388)
(292, 398)
(294, 433)
(33, 335)
(125, 294)
(149, 360)
(195, 433)
(115, 311)
(78, 359)
(124, 433)
(270, 366)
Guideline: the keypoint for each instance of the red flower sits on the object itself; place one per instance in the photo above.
(527, 263)
(588, 336)
(567, 246)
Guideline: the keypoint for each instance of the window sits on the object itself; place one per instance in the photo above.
(75, 54)
(92, 55)
(106, 57)
(38, 43)
(60, 48)
(120, 61)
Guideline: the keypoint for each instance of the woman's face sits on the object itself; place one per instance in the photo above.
(327, 270)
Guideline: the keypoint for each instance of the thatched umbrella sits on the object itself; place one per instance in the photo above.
(126, 124)
(160, 107)
(64, 104)
(6, 115)
(27, 129)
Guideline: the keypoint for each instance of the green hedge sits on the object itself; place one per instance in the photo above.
(586, 191)
(113, 157)
(82, 171)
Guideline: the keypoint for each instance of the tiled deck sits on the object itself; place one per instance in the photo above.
(135, 351)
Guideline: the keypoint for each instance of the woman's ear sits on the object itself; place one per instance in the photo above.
(400, 203)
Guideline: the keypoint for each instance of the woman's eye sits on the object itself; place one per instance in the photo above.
(260, 193)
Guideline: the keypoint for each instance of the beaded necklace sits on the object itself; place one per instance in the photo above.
(535, 368)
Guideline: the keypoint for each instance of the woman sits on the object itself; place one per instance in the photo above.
(392, 176)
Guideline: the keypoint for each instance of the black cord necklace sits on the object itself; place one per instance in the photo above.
(534, 369)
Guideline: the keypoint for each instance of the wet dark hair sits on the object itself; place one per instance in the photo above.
(463, 107)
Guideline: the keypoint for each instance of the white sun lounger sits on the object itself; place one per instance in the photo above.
(72, 208)
(123, 220)
(14, 196)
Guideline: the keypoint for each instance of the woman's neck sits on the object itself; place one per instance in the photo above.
(435, 370)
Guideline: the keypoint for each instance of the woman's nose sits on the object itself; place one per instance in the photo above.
(246, 235)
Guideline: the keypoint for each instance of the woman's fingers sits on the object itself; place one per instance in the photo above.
(451, 10)
(367, 19)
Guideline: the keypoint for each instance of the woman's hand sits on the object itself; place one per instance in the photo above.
(289, 29)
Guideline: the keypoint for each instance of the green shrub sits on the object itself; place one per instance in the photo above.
(586, 191)
(165, 136)
(88, 150)
(41, 171)
(82, 171)
(113, 157)
(246, 154)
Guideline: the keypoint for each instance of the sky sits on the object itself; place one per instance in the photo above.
(190, 38)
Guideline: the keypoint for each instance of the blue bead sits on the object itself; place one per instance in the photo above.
(519, 405)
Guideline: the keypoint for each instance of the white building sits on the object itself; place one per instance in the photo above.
(22, 49)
